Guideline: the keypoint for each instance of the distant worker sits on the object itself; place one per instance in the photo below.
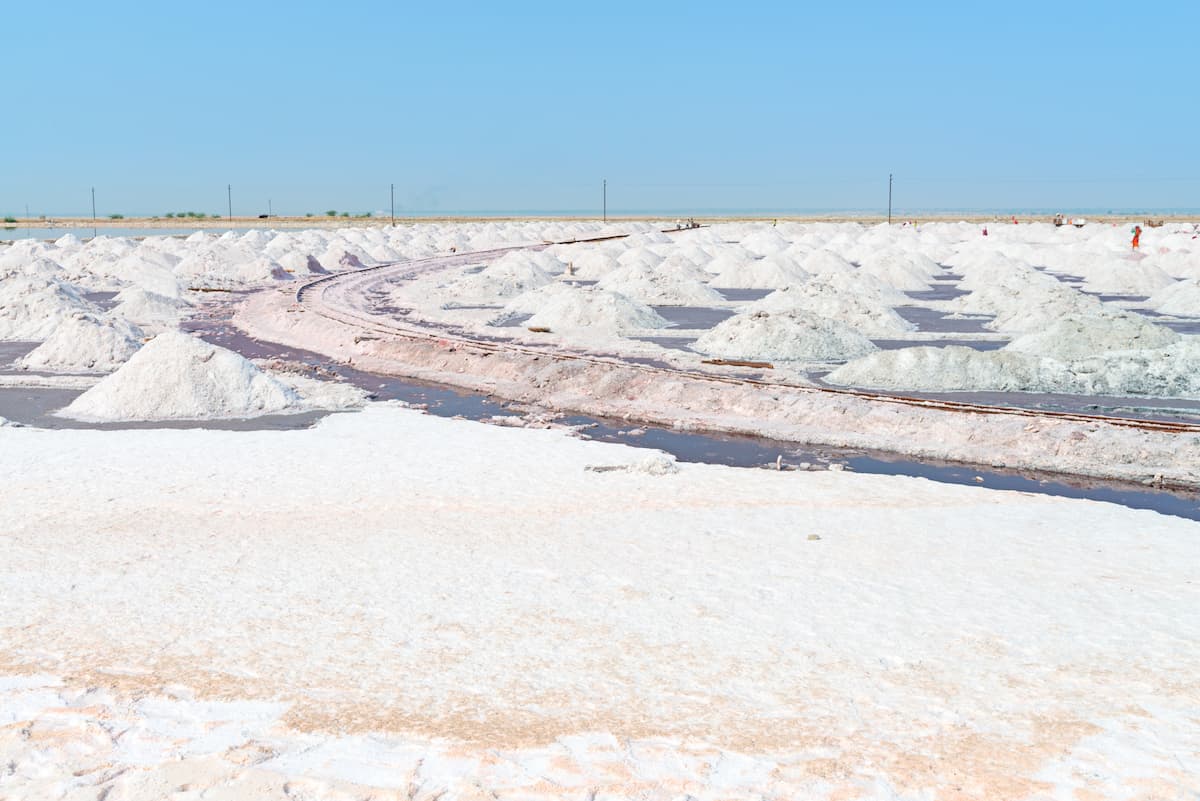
(1137, 236)
(985, 230)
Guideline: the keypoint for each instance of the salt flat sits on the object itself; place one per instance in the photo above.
(392, 605)
(395, 605)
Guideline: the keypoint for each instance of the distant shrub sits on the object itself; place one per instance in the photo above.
(170, 214)
(345, 214)
(10, 219)
(331, 213)
(116, 216)
(308, 214)
(365, 214)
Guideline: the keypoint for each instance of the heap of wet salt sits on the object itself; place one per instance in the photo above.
(31, 308)
(178, 377)
(85, 343)
(783, 336)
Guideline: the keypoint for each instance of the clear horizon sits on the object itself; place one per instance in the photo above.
(770, 109)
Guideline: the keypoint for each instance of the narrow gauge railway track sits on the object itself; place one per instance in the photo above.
(313, 297)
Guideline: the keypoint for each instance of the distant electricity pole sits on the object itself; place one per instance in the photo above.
(229, 195)
(270, 211)
(93, 207)
(889, 198)
(393, 205)
(604, 201)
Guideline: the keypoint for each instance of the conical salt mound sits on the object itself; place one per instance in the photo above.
(85, 343)
(179, 377)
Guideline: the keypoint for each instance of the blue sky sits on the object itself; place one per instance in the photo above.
(529, 105)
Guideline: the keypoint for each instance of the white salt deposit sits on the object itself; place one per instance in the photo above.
(1082, 337)
(1181, 299)
(1170, 372)
(765, 241)
(908, 272)
(177, 376)
(948, 369)
(339, 258)
(826, 262)
(537, 299)
(143, 307)
(664, 284)
(1122, 275)
(596, 309)
(783, 336)
(85, 343)
(756, 273)
(1020, 298)
(862, 311)
(479, 618)
(300, 264)
(591, 264)
(512, 275)
(31, 308)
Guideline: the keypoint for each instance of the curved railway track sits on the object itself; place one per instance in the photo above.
(333, 296)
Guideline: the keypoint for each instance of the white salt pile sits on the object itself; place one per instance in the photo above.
(764, 242)
(31, 308)
(783, 336)
(143, 307)
(826, 262)
(512, 275)
(85, 343)
(223, 268)
(1170, 372)
(862, 311)
(669, 283)
(908, 272)
(949, 369)
(592, 263)
(300, 264)
(764, 273)
(1122, 275)
(590, 308)
(40, 267)
(1082, 337)
(535, 300)
(179, 377)
(339, 258)
(1020, 298)
(1181, 299)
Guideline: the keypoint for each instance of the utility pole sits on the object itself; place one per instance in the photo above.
(889, 198)
(393, 205)
(93, 212)
(270, 211)
(229, 190)
(604, 194)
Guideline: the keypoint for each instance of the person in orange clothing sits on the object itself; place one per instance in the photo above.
(1137, 235)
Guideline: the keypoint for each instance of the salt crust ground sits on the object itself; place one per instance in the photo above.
(398, 606)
